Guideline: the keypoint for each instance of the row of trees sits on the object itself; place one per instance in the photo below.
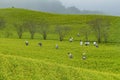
(29, 25)
(99, 26)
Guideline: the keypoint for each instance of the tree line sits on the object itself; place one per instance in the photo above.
(99, 27)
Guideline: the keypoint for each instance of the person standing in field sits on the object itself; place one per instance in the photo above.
(94, 43)
(84, 56)
(26, 43)
(81, 43)
(56, 46)
(87, 43)
(78, 34)
(97, 46)
(70, 55)
(71, 39)
(40, 44)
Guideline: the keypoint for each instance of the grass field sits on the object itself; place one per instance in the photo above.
(21, 62)
(46, 63)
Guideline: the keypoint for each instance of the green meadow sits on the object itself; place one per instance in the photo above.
(34, 62)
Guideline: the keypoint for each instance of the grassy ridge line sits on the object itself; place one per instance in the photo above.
(17, 14)
(20, 68)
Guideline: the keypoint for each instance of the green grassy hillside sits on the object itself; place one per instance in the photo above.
(20, 62)
(20, 68)
(13, 15)
(40, 63)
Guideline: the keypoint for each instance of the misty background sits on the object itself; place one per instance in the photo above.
(109, 7)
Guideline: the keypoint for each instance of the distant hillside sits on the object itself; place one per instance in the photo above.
(13, 15)
(52, 6)
(22, 14)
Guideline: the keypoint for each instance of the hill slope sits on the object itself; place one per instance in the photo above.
(13, 15)
(53, 6)
(20, 68)
(20, 62)
(33, 60)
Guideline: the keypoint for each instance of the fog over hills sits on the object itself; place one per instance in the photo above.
(54, 6)
(111, 7)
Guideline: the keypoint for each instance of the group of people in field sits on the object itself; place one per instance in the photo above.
(87, 43)
(27, 43)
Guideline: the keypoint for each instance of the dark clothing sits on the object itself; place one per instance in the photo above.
(40, 44)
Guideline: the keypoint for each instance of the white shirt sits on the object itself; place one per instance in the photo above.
(81, 43)
(94, 43)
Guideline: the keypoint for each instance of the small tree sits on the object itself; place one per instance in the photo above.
(31, 26)
(43, 28)
(2, 23)
(8, 32)
(20, 29)
(96, 24)
(100, 27)
(106, 29)
(62, 31)
(85, 30)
